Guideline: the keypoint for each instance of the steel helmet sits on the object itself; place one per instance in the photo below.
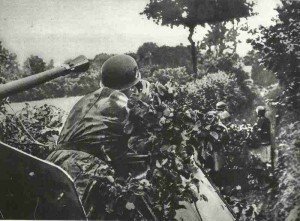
(220, 105)
(260, 110)
(120, 72)
(211, 116)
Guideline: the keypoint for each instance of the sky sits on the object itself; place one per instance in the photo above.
(63, 29)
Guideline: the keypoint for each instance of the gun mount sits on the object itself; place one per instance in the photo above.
(31, 188)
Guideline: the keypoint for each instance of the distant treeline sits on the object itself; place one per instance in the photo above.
(149, 57)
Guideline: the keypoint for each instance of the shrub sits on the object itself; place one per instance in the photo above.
(203, 93)
(169, 128)
(33, 129)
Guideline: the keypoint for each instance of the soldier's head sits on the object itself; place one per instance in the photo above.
(260, 111)
(211, 117)
(120, 72)
(220, 106)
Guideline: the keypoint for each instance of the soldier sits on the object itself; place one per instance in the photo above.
(263, 126)
(223, 114)
(215, 139)
(92, 145)
(262, 130)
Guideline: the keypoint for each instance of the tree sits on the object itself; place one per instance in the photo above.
(163, 56)
(9, 66)
(177, 56)
(221, 39)
(260, 75)
(50, 65)
(34, 65)
(217, 51)
(279, 43)
(146, 51)
(190, 13)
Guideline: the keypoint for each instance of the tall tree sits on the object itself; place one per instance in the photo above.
(145, 52)
(222, 38)
(191, 13)
(50, 65)
(279, 44)
(217, 50)
(164, 56)
(34, 65)
(9, 66)
(260, 75)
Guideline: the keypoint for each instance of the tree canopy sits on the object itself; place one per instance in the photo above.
(163, 56)
(279, 43)
(34, 65)
(9, 66)
(190, 13)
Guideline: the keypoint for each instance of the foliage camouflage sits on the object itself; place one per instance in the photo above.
(209, 89)
(177, 112)
(172, 113)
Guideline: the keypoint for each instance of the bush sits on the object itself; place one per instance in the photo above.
(202, 94)
(169, 128)
(216, 87)
(34, 129)
(178, 75)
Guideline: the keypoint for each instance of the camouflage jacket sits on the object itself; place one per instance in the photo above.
(96, 125)
(263, 130)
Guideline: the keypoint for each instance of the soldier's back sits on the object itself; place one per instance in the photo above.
(96, 120)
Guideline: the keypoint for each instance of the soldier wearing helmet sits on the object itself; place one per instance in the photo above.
(95, 124)
(215, 136)
(263, 126)
(93, 136)
(262, 131)
(223, 114)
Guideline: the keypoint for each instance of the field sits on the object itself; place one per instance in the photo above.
(65, 103)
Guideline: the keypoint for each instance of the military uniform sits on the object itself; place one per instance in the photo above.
(95, 124)
(262, 130)
(223, 114)
(213, 153)
(92, 144)
(91, 140)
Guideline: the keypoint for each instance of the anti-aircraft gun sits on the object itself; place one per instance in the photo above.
(31, 188)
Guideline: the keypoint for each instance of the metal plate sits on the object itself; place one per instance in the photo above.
(31, 188)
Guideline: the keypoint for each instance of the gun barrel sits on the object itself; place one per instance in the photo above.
(79, 64)
(16, 86)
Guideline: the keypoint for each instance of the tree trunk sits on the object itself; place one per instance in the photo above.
(193, 49)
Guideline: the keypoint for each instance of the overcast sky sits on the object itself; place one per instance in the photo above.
(59, 30)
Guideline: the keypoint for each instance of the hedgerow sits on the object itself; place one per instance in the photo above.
(169, 127)
(33, 129)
